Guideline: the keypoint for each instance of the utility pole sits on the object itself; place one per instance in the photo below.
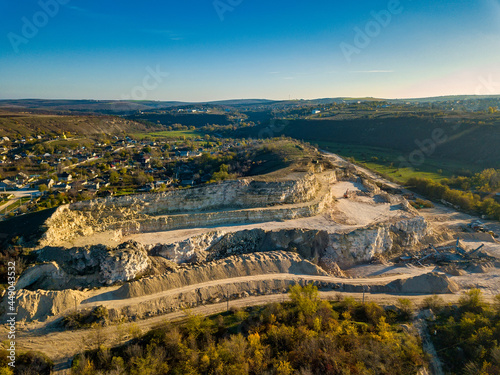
(227, 298)
(364, 290)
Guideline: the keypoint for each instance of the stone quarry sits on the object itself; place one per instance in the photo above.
(150, 254)
(229, 202)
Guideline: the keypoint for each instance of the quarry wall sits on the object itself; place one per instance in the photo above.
(231, 202)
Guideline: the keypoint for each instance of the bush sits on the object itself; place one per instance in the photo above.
(27, 363)
(472, 301)
(463, 199)
(434, 303)
(405, 308)
(85, 319)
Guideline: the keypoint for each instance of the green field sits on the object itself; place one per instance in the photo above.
(174, 134)
(385, 162)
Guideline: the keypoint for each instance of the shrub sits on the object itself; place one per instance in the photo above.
(34, 363)
(85, 319)
(435, 303)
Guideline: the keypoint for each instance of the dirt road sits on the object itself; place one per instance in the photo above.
(110, 301)
(61, 346)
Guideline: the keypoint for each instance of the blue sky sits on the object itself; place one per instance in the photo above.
(254, 49)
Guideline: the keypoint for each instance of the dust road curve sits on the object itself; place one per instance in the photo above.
(118, 303)
(61, 346)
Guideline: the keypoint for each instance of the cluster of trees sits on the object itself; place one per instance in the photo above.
(464, 199)
(27, 363)
(220, 166)
(467, 336)
(485, 182)
(306, 336)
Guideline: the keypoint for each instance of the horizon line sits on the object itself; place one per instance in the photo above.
(255, 99)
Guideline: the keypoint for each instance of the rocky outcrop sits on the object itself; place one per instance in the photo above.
(85, 267)
(43, 276)
(411, 231)
(124, 263)
(99, 265)
(41, 304)
(361, 245)
(191, 250)
(235, 202)
(327, 249)
(242, 193)
(307, 243)
(371, 187)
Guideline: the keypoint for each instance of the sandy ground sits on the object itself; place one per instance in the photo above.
(380, 280)
(105, 296)
(489, 282)
(61, 346)
(386, 270)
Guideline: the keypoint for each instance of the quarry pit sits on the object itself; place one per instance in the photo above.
(148, 255)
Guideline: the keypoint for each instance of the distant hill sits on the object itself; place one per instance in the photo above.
(94, 106)
(119, 107)
(24, 124)
(469, 141)
(242, 102)
(116, 107)
(445, 98)
(191, 119)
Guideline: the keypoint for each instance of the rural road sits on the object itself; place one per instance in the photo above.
(61, 346)
(340, 161)
(118, 303)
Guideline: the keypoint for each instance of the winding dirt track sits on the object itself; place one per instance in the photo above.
(118, 303)
(61, 346)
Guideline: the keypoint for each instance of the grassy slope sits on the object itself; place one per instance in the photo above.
(384, 161)
(21, 124)
(280, 154)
